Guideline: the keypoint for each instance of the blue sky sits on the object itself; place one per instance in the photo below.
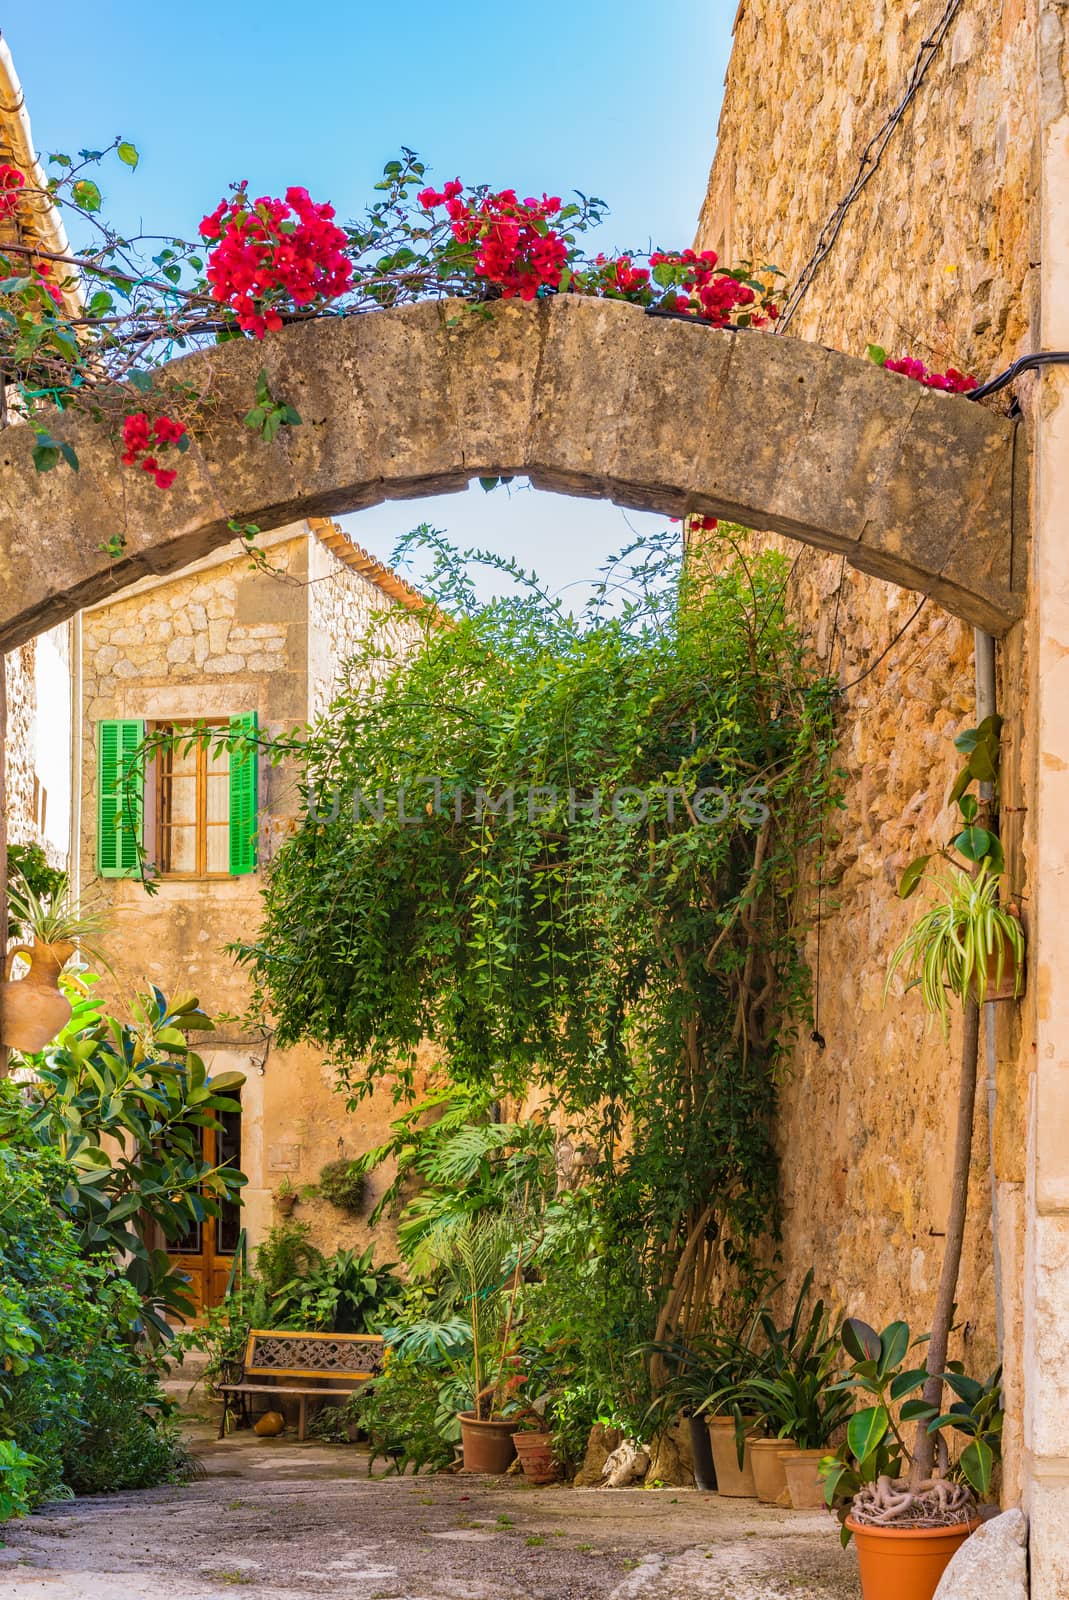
(616, 100)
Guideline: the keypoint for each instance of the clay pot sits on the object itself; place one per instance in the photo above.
(487, 1446)
(905, 1563)
(1006, 989)
(732, 1480)
(535, 1451)
(32, 1009)
(285, 1203)
(803, 1480)
(702, 1454)
(270, 1425)
(770, 1479)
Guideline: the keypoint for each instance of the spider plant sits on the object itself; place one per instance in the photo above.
(53, 918)
(962, 941)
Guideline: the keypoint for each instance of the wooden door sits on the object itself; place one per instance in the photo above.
(206, 1254)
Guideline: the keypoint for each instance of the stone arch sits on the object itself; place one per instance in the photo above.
(588, 397)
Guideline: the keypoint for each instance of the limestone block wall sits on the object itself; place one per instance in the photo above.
(19, 769)
(344, 606)
(935, 258)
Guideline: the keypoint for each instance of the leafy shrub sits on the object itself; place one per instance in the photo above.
(343, 1185)
(78, 1408)
(126, 1438)
(401, 1413)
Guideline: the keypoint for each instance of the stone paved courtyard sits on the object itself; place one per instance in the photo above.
(277, 1520)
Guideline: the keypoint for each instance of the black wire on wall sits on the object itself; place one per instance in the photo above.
(869, 162)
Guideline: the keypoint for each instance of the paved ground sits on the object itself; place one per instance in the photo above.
(278, 1520)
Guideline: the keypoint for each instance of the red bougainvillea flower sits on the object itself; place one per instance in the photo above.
(711, 294)
(271, 253)
(514, 245)
(701, 524)
(11, 181)
(143, 436)
(951, 381)
(43, 272)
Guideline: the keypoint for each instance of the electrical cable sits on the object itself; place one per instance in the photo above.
(868, 163)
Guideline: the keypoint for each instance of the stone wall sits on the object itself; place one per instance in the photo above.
(934, 259)
(344, 607)
(21, 711)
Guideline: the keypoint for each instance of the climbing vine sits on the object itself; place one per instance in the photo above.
(564, 852)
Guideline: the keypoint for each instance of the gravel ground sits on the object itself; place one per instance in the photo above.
(283, 1521)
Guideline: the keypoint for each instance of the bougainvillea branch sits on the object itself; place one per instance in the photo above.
(88, 329)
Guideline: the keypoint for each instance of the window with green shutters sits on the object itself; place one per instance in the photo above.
(244, 786)
(202, 798)
(120, 797)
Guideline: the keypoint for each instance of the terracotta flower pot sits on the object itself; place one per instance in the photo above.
(905, 1563)
(732, 1480)
(1011, 985)
(32, 1009)
(535, 1451)
(769, 1476)
(487, 1446)
(286, 1203)
(803, 1480)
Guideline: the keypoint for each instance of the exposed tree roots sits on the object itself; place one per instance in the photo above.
(935, 1503)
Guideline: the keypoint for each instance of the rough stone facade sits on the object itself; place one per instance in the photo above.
(222, 638)
(935, 258)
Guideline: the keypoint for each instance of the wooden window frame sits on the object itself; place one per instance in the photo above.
(200, 823)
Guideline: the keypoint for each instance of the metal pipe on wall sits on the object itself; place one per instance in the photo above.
(986, 702)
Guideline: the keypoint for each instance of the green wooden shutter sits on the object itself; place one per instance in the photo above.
(244, 793)
(120, 797)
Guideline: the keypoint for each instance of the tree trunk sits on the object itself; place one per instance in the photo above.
(943, 1315)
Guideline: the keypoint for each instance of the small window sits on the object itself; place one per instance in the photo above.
(192, 803)
(205, 800)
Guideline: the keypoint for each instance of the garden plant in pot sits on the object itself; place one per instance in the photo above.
(909, 1508)
(487, 1255)
(795, 1395)
(33, 1009)
(727, 1360)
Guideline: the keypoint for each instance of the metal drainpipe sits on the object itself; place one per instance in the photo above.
(984, 657)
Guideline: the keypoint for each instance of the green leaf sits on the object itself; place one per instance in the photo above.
(911, 877)
(969, 807)
(865, 1430)
(961, 783)
(907, 1381)
(974, 843)
(876, 354)
(918, 1411)
(860, 1341)
(977, 1463)
(894, 1342)
(86, 194)
(127, 153)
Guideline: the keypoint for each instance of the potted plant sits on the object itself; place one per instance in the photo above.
(906, 1517)
(794, 1395)
(286, 1196)
(967, 945)
(728, 1360)
(33, 1010)
(487, 1258)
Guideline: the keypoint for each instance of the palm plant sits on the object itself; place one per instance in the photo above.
(52, 917)
(957, 945)
(792, 1391)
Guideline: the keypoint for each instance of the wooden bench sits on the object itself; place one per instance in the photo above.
(302, 1364)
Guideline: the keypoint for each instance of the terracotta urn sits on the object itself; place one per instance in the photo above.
(32, 1009)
